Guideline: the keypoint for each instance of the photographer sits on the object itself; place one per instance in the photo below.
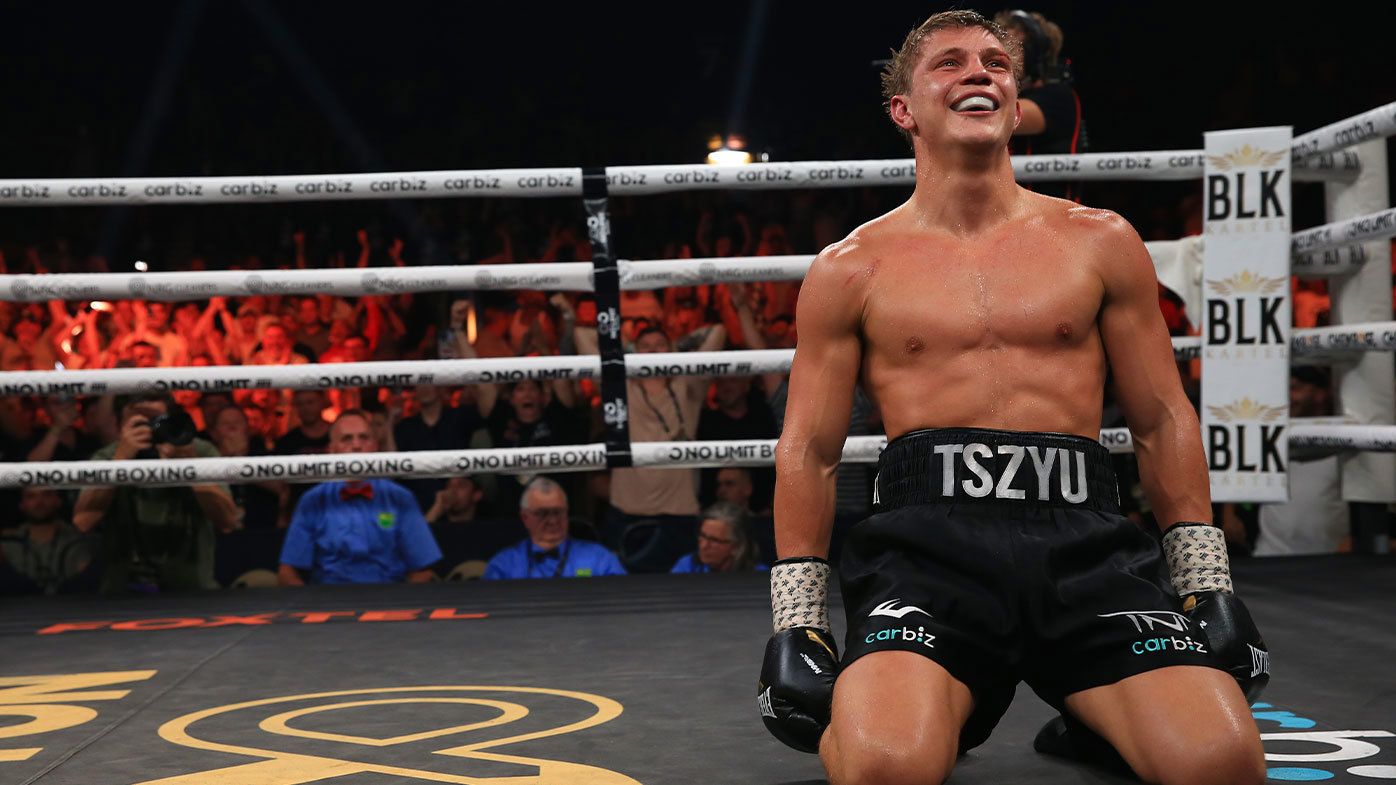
(1052, 122)
(156, 538)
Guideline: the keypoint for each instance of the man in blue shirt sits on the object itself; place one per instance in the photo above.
(357, 531)
(549, 552)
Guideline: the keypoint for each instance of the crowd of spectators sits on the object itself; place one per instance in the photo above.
(593, 523)
(160, 538)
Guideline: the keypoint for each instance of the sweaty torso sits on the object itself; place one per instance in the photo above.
(997, 330)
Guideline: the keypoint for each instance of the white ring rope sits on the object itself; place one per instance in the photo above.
(393, 373)
(303, 468)
(358, 281)
(549, 276)
(661, 273)
(1342, 438)
(1143, 166)
(1345, 339)
(1323, 250)
(292, 187)
(536, 460)
(1380, 225)
(633, 180)
(1329, 343)
(1373, 124)
(1345, 260)
(621, 180)
(1341, 166)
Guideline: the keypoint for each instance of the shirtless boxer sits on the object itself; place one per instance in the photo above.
(982, 318)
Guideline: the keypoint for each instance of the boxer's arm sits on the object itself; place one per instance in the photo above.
(825, 369)
(1167, 437)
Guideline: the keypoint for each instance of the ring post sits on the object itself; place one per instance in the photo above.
(1247, 326)
(1364, 389)
(606, 282)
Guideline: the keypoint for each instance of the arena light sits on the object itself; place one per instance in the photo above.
(726, 156)
(141, 266)
(730, 151)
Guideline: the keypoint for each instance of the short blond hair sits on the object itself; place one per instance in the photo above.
(896, 75)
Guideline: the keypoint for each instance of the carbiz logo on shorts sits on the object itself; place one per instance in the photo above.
(905, 634)
(1171, 643)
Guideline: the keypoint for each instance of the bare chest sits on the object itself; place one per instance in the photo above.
(948, 300)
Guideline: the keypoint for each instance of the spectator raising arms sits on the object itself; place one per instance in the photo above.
(663, 502)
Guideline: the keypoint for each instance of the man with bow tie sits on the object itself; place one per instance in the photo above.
(357, 531)
(548, 551)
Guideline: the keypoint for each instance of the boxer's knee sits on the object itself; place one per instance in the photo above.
(1234, 758)
(850, 759)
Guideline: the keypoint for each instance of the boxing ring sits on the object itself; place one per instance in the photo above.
(604, 681)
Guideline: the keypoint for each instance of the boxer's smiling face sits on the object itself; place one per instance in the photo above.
(962, 92)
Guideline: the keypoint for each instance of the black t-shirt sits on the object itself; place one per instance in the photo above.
(559, 425)
(1058, 104)
(297, 443)
(11, 450)
(260, 507)
(451, 432)
(757, 423)
(1062, 136)
(82, 449)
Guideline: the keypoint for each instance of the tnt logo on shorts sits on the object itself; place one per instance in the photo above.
(1155, 621)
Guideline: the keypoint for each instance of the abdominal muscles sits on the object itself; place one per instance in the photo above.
(1024, 388)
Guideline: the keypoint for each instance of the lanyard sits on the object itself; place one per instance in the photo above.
(678, 410)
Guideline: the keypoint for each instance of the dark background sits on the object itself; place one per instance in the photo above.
(263, 87)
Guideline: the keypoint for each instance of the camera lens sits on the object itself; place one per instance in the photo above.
(176, 428)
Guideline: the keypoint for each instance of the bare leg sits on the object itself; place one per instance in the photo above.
(1179, 725)
(896, 721)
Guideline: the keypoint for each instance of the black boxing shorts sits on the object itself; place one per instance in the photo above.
(1002, 556)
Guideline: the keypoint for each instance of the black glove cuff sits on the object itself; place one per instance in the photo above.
(800, 559)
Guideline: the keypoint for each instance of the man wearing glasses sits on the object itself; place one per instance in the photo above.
(548, 552)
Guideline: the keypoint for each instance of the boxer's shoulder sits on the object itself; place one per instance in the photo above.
(849, 263)
(1053, 214)
(1093, 224)
(1094, 234)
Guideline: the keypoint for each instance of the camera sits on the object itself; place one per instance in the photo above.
(175, 428)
